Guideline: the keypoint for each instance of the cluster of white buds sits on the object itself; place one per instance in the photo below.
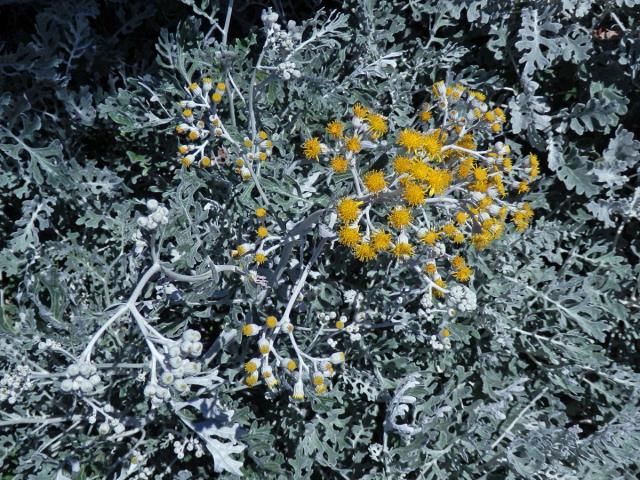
(178, 368)
(157, 215)
(269, 18)
(288, 70)
(13, 384)
(81, 378)
(48, 344)
(282, 39)
(439, 345)
(461, 298)
(190, 445)
(109, 424)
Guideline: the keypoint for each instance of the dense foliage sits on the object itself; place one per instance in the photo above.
(371, 239)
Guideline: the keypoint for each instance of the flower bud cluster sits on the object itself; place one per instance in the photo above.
(190, 445)
(178, 370)
(13, 384)
(157, 215)
(81, 378)
(461, 298)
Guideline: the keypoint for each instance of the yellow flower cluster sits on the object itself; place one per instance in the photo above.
(263, 365)
(201, 128)
(448, 161)
(251, 152)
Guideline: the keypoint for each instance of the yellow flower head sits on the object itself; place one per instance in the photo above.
(425, 115)
(410, 139)
(431, 268)
(457, 262)
(377, 125)
(463, 274)
(438, 179)
(430, 237)
(216, 97)
(271, 321)
(312, 148)
(262, 232)
(353, 144)
(260, 258)
(348, 209)
(364, 252)
(360, 111)
(432, 145)
(440, 283)
(339, 164)
(461, 217)
(402, 164)
(523, 187)
(263, 135)
(335, 129)
(261, 212)
(400, 217)
(374, 181)
(381, 240)
(290, 364)
(349, 236)
(403, 250)
(414, 194)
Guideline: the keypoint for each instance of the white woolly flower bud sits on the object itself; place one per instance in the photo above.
(152, 204)
(167, 378)
(337, 358)
(298, 390)
(66, 385)
(104, 428)
(175, 362)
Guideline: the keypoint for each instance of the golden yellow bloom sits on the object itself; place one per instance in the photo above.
(431, 268)
(193, 135)
(312, 148)
(458, 238)
(478, 95)
(349, 236)
(430, 237)
(465, 167)
(262, 232)
(535, 166)
(507, 164)
(240, 162)
(339, 164)
(271, 321)
(262, 156)
(410, 139)
(461, 217)
(425, 115)
(377, 125)
(374, 181)
(251, 380)
(442, 284)
(496, 127)
(261, 212)
(490, 116)
(439, 180)
(360, 111)
(262, 135)
(260, 258)
(400, 217)
(402, 164)
(216, 97)
(432, 145)
(403, 250)
(321, 389)
(205, 161)
(523, 187)
(335, 129)
(480, 173)
(420, 170)
(348, 209)
(186, 162)
(291, 364)
(457, 262)
(381, 240)
(364, 252)
(500, 113)
(481, 240)
(449, 229)
(187, 112)
(353, 144)
(445, 332)
(339, 324)
(414, 194)
(221, 86)
(463, 274)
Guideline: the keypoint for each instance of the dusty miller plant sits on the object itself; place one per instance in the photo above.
(381, 240)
